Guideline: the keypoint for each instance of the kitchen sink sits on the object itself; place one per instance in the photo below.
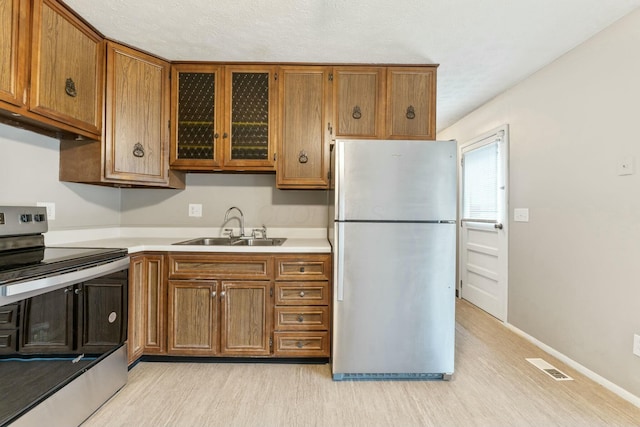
(236, 241)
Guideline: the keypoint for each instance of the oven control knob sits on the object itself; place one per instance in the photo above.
(39, 217)
(26, 217)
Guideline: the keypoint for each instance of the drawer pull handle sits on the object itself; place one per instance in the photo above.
(299, 344)
(301, 294)
(301, 269)
(300, 318)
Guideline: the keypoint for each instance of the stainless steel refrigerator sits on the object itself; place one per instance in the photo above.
(392, 214)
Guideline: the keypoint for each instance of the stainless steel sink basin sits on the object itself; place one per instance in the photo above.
(237, 241)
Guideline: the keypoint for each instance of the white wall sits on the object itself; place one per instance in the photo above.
(29, 174)
(574, 272)
(254, 194)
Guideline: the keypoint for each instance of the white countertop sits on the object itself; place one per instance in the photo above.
(142, 239)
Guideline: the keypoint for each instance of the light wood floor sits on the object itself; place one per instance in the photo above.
(493, 385)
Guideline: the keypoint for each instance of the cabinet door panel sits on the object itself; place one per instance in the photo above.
(101, 314)
(45, 329)
(136, 137)
(192, 317)
(250, 112)
(196, 104)
(304, 98)
(358, 95)
(135, 336)
(245, 318)
(13, 50)
(411, 103)
(66, 73)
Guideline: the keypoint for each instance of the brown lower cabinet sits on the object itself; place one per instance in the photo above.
(229, 305)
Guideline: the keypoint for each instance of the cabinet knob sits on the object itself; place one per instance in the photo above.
(225, 135)
(301, 269)
(222, 294)
(301, 293)
(299, 344)
(302, 157)
(216, 135)
(300, 318)
(70, 88)
(213, 294)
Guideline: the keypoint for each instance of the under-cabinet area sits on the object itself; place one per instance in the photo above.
(229, 305)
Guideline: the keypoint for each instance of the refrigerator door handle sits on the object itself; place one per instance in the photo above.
(340, 262)
(339, 185)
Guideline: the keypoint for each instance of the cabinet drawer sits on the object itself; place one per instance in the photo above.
(198, 266)
(8, 341)
(9, 316)
(307, 318)
(308, 267)
(302, 293)
(296, 344)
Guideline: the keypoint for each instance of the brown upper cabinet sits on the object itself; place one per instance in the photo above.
(51, 69)
(411, 102)
(224, 117)
(135, 146)
(359, 102)
(384, 102)
(67, 60)
(305, 127)
(14, 17)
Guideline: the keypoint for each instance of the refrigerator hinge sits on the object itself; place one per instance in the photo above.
(270, 342)
(275, 76)
(330, 77)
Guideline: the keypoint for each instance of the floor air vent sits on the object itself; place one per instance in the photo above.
(549, 369)
(390, 377)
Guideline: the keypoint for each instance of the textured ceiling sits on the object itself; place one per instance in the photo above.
(483, 46)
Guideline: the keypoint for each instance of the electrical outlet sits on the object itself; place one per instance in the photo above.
(636, 344)
(51, 209)
(195, 209)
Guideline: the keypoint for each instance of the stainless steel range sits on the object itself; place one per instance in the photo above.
(63, 324)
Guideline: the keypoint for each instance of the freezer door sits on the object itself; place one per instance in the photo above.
(395, 180)
(394, 298)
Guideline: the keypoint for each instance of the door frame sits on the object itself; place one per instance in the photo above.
(501, 132)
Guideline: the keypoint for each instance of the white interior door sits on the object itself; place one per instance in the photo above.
(484, 222)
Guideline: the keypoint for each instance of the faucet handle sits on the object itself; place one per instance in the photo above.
(259, 233)
(228, 232)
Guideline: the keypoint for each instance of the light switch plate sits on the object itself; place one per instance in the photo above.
(195, 209)
(626, 166)
(521, 215)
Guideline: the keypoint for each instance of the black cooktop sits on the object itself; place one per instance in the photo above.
(31, 263)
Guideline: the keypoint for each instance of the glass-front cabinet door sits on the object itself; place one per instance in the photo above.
(223, 117)
(196, 102)
(249, 117)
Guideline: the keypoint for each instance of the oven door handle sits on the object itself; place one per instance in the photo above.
(17, 291)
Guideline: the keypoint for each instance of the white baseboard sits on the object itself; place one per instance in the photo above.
(630, 397)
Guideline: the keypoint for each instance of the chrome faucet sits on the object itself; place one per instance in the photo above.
(240, 219)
